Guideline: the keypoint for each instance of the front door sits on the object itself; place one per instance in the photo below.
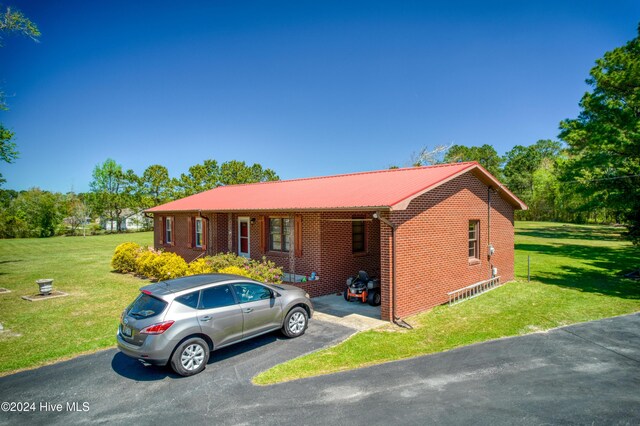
(243, 236)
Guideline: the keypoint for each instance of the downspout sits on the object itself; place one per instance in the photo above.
(489, 245)
(394, 318)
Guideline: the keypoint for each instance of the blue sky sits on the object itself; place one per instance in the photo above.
(305, 88)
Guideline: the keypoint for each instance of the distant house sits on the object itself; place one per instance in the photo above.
(130, 220)
(453, 226)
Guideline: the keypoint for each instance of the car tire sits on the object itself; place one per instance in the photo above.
(374, 298)
(345, 294)
(295, 323)
(190, 357)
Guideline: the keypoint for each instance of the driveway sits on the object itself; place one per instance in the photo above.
(586, 373)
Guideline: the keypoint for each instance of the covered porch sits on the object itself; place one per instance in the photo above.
(323, 248)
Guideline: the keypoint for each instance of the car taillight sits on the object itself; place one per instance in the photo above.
(158, 328)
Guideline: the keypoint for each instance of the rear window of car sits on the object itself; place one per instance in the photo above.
(146, 306)
(216, 297)
(190, 299)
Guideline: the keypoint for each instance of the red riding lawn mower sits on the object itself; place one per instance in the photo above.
(363, 288)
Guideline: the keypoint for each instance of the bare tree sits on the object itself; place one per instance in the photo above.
(428, 157)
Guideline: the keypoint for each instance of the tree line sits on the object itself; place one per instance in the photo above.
(114, 193)
(535, 173)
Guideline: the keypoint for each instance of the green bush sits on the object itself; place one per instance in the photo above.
(260, 270)
(265, 271)
(124, 257)
(169, 265)
(223, 260)
(199, 266)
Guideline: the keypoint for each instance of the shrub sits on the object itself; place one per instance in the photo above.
(124, 257)
(169, 265)
(145, 263)
(223, 260)
(260, 270)
(235, 270)
(265, 271)
(199, 266)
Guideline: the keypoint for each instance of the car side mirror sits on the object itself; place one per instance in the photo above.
(275, 294)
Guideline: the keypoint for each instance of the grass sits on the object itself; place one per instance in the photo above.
(577, 275)
(37, 333)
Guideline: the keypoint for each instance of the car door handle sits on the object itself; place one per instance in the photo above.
(247, 310)
(205, 318)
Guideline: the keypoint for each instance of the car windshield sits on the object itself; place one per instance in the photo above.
(146, 306)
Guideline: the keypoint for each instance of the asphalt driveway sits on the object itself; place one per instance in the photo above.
(586, 373)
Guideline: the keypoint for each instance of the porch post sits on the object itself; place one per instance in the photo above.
(212, 231)
(385, 269)
(230, 232)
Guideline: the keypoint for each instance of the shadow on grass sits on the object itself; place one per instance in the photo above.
(572, 232)
(609, 279)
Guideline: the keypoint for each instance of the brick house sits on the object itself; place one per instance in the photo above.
(445, 219)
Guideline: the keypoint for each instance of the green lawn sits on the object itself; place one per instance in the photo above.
(576, 272)
(40, 332)
(576, 276)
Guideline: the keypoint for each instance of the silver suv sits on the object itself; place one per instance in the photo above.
(181, 321)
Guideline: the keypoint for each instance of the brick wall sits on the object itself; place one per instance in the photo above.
(180, 244)
(338, 260)
(432, 244)
(326, 246)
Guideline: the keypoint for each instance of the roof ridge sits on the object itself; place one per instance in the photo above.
(432, 166)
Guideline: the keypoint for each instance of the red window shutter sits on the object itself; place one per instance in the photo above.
(205, 232)
(297, 235)
(161, 226)
(173, 231)
(191, 232)
(263, 234)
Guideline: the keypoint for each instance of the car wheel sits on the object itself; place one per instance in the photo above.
(190, 357)
(374, 298)
(345, 294)
(295, 323)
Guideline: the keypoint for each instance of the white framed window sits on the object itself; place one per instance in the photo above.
(168, 236)
(474, 230)
(198, 238)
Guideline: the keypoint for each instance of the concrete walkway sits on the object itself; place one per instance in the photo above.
(359, 316)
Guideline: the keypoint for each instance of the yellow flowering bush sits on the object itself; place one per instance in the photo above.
(199, 266)
(124, 257)
(169, 265)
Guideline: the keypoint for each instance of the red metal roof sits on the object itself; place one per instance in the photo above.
(383, 189)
